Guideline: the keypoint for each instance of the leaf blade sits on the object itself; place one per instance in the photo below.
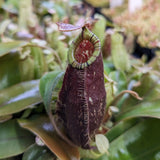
(141, 141)
(6, 47)
(42, 127)
(13, 139)
(145, 109)
(19, 97)
(38, 153)
(48, 84)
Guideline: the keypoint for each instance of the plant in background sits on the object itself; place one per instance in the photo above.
(140, 23)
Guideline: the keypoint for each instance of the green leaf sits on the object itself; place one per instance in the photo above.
(99, 28)
(11, 158)
(5, 118)
(120, 128)
(121, 84)
(50, 84)
(23, 65)
(134, 140)
(145, 109)
(35, 152)
(10, 46)
(141, 141)
(120, 78)
(114, 133)
(108, 66)
(19, 97)
(42, 127)
(17, 90)
(9, 70)
(15, 69)
(39, 62)
(148, 89)
(120, 96)
(26, 66)
(111, 89)
(87, 154)
(119, 54)
(13, 139)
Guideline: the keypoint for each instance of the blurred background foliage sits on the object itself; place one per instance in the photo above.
(33, 58)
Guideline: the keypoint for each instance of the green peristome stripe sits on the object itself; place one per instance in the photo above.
(88, 35)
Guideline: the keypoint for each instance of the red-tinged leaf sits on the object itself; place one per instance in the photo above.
(42, 127)
(64, 27)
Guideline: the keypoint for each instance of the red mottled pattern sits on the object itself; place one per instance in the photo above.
(84, 51)
(82, 101)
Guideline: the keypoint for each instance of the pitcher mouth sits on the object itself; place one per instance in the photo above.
(84, 49)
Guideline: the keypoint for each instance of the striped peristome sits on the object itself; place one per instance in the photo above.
(82, 99)
(85, 35)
